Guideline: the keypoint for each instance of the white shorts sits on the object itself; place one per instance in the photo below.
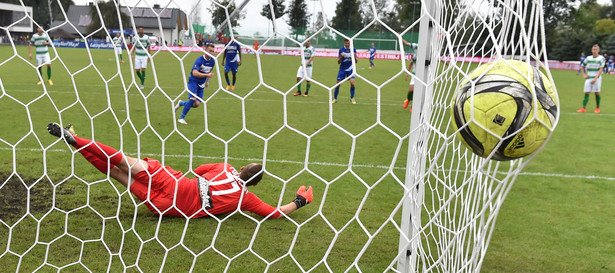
(140, 62)
(43, 59)
(589, 87)
(302, 75)
(411, 79)
(118, 50)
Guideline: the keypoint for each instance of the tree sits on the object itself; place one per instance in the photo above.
(605, 26)
(320, 21)
(381, 8)
(278, 10)
(406, 13)
(218, 13)
(110, 18)
(347, 16)
(298, 16)
(609, 45)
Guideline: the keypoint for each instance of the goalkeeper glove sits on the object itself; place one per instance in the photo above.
(304, 196)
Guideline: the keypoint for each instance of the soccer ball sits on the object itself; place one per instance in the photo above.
(496, 113)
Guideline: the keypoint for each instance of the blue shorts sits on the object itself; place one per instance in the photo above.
(232, 66)
(195, 89)
(342, 74)
(371, 58)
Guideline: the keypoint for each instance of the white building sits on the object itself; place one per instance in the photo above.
(172, 22)
(14, 17)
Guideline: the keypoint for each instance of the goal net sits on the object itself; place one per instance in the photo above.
(394, 190)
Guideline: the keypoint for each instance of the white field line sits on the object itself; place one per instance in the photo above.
(571, 176)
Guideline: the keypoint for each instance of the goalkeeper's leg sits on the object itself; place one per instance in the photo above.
(103, 152)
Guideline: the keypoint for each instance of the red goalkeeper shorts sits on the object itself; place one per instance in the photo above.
(164, 181)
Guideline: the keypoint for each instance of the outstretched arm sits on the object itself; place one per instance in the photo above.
(303, 198)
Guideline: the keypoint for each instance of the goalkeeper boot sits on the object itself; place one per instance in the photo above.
(67, 133)
(353, 101)
(50, 82)
(182, 121)
(406, 103)
(232, 87)
(297, 94)
(334, 101)
(39, 83)
(228, 87)
(305, 95)
(597, 111)
(582, 110)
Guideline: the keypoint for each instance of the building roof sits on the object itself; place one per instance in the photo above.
(79, 17)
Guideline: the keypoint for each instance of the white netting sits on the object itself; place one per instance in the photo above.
(393, 191)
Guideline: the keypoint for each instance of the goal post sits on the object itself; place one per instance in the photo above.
(418, 141)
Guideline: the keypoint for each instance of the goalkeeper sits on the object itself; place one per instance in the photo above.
(218, 189)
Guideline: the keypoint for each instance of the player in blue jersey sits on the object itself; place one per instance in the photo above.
(372, 55)
(582, 58)
(344, 58)
(611, 64)
(209, 40)
(232, 54)
(199, 79)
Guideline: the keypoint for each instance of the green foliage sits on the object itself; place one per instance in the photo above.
(109, 12)
(605, 26)
(407, 11)
(569, 45)
(218, 13)
(279, 9)
(609, 45)
(298, 16)
(347, 16)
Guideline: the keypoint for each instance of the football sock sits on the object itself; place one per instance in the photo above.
(142, 77)
(101, 165)
(121, 57)
(299, 88)
(585, 100)
(139, 75)
(234, 78)
(49, 72)
(40, 72)
(352, 92)
(410, 95)
(597, 101)
(307, 88)
(337, 91)
(187, 105)
(227, 81)
(371, 64)
(102, 151)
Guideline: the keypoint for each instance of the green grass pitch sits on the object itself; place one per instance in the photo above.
(557, 217)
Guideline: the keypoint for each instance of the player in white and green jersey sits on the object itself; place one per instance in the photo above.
(308, 59)
(141, 50)
(117, 45)
(593, 78)
(40, 41)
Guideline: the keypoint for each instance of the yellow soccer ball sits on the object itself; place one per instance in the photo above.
(504, 110)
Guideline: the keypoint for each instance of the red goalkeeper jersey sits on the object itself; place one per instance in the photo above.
(225, 190)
